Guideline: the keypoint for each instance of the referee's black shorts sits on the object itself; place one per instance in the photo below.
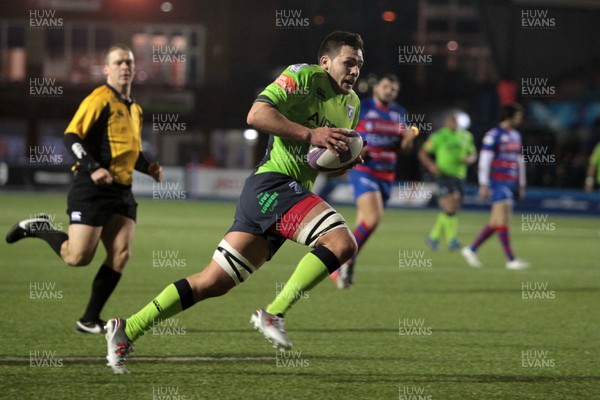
(91, 204)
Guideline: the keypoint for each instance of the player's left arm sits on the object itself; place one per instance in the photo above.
(154, 169)
(142, 164)
(591, 170)
(408, 139)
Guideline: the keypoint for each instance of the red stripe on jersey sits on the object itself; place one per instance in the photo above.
(381, 155)
(387, 176)
(498, 176)
(497, 163)
(380, 127)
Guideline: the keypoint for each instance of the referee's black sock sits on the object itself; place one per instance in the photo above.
(102, 287)
(53, 237)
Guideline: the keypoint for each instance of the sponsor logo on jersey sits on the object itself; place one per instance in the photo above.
(315, 119)
(297, 67)
(76, 216)
(287, 83)
(296, 186)
(350, 112)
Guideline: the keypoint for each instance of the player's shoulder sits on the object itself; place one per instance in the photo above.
(353, 97)
(99, 96)
(303, 69)
(367, 102)
(494, 132)
(491, 136)
(439, 133)
(466, 134)
(137, 106)
(103, 90)
(444, 134)
(398, 108)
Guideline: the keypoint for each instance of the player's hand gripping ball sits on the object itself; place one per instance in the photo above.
(324, 160)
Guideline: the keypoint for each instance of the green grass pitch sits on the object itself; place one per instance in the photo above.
(417, 324)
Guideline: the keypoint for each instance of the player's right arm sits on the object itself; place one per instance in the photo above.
(471, 150)
(424, 154)
(266, 118)
(486, 157)
(267, 114)
(87, 115)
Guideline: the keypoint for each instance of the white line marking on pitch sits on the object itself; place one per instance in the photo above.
(143, 359)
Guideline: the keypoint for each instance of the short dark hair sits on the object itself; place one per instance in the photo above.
(390, 77)
(335, 40)
(509, 110)
(116, 46)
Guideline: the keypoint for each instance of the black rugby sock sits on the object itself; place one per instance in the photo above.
(53, 237)
(102, 287)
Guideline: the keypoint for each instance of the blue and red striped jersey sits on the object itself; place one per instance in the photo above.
(383, 128)
(506, 146)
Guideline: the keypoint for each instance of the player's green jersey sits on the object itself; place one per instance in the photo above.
(450, 149)
(595, 161)
(304, 94)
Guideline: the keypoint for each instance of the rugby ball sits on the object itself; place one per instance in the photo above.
(324, 160)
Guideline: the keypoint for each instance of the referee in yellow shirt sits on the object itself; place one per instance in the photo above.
(105, 139)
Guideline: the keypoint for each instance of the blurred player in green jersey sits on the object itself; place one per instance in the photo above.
(454, 150)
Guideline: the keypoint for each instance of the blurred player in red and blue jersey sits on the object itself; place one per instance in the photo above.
(382, 126)
(501, 179)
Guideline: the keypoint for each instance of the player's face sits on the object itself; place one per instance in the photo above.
(451, 122)
(386, 91)
(120, 68)
(344, 69)
(517, 119)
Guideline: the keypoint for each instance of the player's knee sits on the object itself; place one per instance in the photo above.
(342, 243)
(348, 248)
(373, 219)
(79, 259)
(323, 228)
(235, 265)
(206, 285)
(214, 289)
